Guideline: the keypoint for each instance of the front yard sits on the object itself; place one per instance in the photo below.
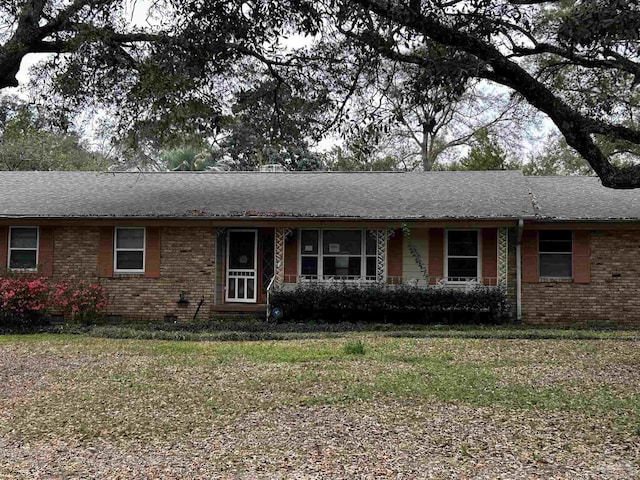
(81, 407)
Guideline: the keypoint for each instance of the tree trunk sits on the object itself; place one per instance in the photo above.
(424, 148)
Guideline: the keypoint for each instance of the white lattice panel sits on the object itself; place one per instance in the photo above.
(279, 240)
(503, 256)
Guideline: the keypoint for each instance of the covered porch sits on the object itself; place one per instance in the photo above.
(251, 262)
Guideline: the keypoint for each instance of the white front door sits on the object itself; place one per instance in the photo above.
(242, 275)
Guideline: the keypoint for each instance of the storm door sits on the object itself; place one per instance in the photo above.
(241, 266)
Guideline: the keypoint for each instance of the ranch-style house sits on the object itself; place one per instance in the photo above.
(566, 249)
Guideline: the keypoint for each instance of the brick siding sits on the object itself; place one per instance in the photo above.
(512, 284)
(610, 297)
(394, 256)
(187, 264)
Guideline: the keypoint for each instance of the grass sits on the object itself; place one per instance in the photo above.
(258, 330)
(354, 347)
(83, 390)
(397, 367)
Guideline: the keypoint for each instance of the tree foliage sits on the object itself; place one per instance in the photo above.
(555, 157)
(30, 141)
(353, 159)
(485, 154)
(270, 124)
(187, 160)
(423, 121)
(576, 62)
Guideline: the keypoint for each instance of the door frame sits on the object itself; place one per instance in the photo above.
(254, 269)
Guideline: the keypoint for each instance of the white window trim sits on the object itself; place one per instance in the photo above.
(116, 250)
(37, 249)
(570, 254)
(320, 255)
(446, 256)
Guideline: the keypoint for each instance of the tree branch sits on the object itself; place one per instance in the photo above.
(621, 63)
(576, 128)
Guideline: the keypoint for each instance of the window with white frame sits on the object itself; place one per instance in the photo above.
(463, 259)
(338, 254)
(129, 250)
(23, 248)
(555, 253)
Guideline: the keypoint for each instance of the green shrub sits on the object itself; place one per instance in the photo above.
(376, 303)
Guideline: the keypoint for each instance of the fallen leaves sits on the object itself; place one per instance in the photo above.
(84, 408)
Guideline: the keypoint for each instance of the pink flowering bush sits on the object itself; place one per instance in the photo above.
(23, 298)
(83, 302)
(29, 299)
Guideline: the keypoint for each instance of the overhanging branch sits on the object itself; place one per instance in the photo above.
(576, 128)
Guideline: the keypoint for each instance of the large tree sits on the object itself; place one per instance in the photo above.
(577, 62)
(422, 122)
(32, 139)
(271, 124)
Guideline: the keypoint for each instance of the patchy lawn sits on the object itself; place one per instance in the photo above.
(356, 406)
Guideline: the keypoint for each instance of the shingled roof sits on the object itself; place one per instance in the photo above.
(228, 195)
(313, 195)
(581, 198)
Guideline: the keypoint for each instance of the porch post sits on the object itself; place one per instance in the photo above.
(503, 256)
(278, 268)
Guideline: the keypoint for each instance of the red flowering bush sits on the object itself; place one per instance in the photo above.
(23, 298)
(80, 301)
(28, 299)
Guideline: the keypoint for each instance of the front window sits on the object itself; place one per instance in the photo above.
(338, 254)
(23, 248)
(462, 255)
(129, 250)
(555, 250)
(309, 252)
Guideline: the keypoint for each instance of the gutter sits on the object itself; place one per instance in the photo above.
(519, 271)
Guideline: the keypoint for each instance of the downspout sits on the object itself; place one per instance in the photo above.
(519, 272)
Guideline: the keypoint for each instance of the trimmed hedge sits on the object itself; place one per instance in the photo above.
(391, 304)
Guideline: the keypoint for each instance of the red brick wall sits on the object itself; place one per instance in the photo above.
(46, 251)
(4, 246)
(512, 284)
(394, 256)
(187, 263)
(610, 296)
(490, 255)
(291, 258)
(436, 255)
